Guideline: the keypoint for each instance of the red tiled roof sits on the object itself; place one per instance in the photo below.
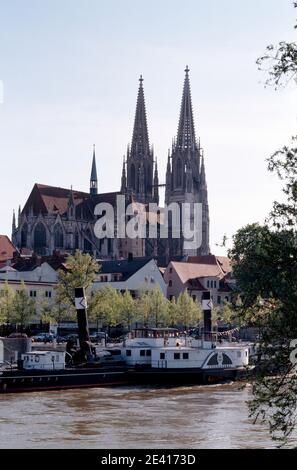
(225, 262)
(7, 249)
(187, 271)
(222, 261)
(45, 199)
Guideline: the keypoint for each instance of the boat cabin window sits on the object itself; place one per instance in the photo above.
(155, 333)
(186, 355)
(128, 352)
(162, 355)
(176, 355)
(114, 352)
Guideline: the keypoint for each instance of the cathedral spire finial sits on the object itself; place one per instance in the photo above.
(140, 147)
(186, 131)
(93, 179)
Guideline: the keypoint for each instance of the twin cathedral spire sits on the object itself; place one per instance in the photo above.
(185, 175)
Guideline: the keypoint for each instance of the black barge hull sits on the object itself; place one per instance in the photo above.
(33, 381)
(185, 376)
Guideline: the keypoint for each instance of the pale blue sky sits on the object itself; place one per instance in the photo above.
(70, 70)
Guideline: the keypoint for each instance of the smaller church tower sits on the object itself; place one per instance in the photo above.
(124, 179)
(93, 180)
(156, 184)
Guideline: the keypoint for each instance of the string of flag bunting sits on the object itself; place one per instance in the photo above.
(229, 332)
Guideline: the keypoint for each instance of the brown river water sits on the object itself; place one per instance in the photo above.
(197, 417)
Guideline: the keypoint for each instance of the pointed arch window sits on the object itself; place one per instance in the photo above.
(24, 235)
(149, 177)
(76, 240)
(40, 239)
(179, 173)
(58, 237)
(133, 177)
(87, 242)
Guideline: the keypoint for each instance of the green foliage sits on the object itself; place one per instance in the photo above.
(265, 266)
(280, 62)
(105, 306)
(127, 310)
(23, 307)
(7, 297)
(173, 314)
(264, 263)
(152, 308)
(81, 272)
(189, 313)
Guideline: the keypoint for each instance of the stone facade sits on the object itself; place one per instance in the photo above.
(58, 219)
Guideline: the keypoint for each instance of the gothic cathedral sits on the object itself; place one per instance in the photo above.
(57, 219)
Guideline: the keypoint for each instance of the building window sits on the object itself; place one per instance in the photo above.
(215, 284)
(186, 355)
(170, 270)
(87, 246)
(162, 355)
(211, 284)
(128, 352)
(24, 235)
(194, 298)
(40, 239)
(58, 236)
(32, 293)
(148, 352)
(179, 173)
(176, 356)
(227, 298)
(219, 300)
(133, 182)
(207, 284)
(142, 352)
(76, 241)
(48, 294)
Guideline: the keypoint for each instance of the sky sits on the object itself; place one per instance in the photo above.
(69, 70)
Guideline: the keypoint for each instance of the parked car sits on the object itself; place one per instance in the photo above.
(17, 335)
(43, 338)
(61, 339)
(72, 336)
(98, 336)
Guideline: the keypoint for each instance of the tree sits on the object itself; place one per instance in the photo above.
(55, 310)
(265, 266)
(127, 309)
(81, 272)
(7, 296)
(105, 306)
(189, 313)
(23, 307)
(172, 313)
(152, 307)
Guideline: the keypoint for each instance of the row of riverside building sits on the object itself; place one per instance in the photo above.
(195, 275)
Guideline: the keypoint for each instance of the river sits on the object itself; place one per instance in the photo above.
(197, 417)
